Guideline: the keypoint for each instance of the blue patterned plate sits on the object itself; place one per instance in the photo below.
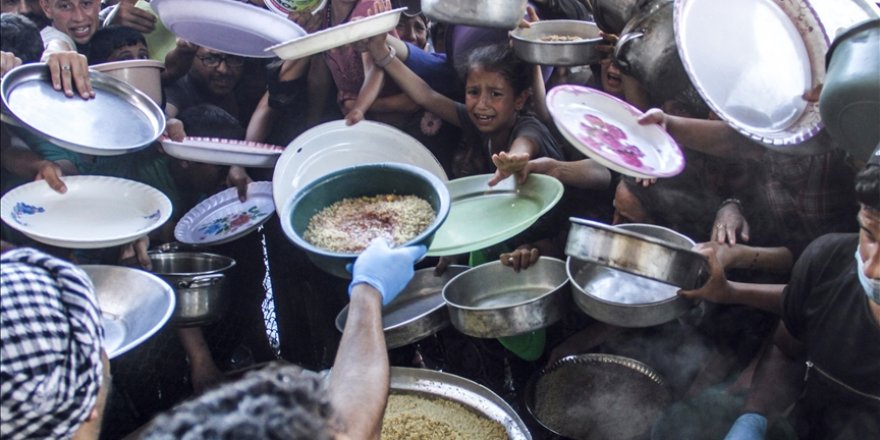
(222, 218)
(95, 212)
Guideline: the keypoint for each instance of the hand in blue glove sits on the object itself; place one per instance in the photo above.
(387, 270)
(749, 426)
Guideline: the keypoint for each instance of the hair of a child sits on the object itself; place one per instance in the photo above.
(206, 120)
(501, 59)
(110, 38)
(20, 36)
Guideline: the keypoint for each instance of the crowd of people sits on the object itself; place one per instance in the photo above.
(787, 326)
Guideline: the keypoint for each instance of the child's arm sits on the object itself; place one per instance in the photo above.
(415, 87)
(514, 160)
(539, 95)
(261, 122)
(373, 80)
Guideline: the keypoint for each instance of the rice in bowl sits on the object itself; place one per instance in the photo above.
(349, 225)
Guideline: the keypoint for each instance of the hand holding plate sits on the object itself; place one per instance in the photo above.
(521, 258)
(8, 61)
(388, 270)
(728, 222)
(137, 250)
(716, 289)
(68, 69)
(238, 177)
(136, 18)
(51, 173)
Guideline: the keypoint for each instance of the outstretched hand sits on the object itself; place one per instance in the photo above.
(716, 289)
(509, 164)
(387, 269)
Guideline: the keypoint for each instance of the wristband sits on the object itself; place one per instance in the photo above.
(387, 59)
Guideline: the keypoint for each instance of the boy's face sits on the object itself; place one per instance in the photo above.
(133, 52)
(76, 18)
(413, 30)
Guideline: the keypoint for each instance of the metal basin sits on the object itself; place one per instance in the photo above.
(597, 396)
(198, 282)
(528, 43)
(638, 254)
(358, 181)
(505, 14)
(493, 301)
(134, 305)
(623, 299)
(418, 312)
(447, 386)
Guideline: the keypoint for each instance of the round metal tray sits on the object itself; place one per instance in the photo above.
(598, 396)
(119, 119)
(458, 389)
(528, 43)
(418, 312)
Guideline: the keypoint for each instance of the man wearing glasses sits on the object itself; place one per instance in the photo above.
(212, 79)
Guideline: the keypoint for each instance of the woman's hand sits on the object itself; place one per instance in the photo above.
(523, 257)
(728, 222)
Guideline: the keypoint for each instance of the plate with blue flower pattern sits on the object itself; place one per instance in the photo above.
(95, 212)
(222, 217)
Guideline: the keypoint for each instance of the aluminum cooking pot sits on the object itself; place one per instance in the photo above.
(647, 51)
(198, 282)
(528, 43)
(505, 14)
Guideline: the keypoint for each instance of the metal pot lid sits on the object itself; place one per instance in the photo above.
(119, 119)
(752, 61)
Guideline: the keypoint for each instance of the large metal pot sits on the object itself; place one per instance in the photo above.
(198, 282)
(646, 51)
(505, 14)
(636, 253)
(611, 15)
(493, 301)
(529, 45)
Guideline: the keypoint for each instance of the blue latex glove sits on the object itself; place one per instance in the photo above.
(387, 270)
(749, 426)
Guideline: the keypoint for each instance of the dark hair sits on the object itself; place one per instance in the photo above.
(20, 35)
(110, 38)
(278, 401)
(868, 186)
(206, 120)
(500, 58)
(682, 203)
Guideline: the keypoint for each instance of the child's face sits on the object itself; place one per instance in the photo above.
(413, 30)
(76, 18)
(490, 100)
(133, 52)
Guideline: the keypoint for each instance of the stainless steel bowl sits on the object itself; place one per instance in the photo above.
(418, 312)
(636, 253)
(620, 298)
(447, 386)
(493, 301)
(505, 14)
(134, 305)
(198, 282)
(529, 45)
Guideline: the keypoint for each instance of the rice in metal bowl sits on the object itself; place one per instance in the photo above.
(350, 224)
(414, 417)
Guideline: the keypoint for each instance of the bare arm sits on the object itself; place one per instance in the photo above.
(778, 379)
(739, 256)
(261, 121)
(178, 61)
(713, 137)
(359, 379)
(539, 95)
(319, 85)
(373, 80)
(584, 174)
(415, 87)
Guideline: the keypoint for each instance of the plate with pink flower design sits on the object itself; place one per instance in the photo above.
(222, 218)
(607, 130)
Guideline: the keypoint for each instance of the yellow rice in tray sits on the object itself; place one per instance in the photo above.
(349, 225)
(413, 417)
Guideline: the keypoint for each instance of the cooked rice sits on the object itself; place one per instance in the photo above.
(413, 417)
(349, 225)
(561, 38)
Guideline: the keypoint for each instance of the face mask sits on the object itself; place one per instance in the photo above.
(870, 285)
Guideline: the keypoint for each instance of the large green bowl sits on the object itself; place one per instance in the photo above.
(359, 181)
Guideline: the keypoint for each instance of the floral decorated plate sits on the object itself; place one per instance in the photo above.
(222, 218)
(95, 212)
(224, 151)
(606, 129)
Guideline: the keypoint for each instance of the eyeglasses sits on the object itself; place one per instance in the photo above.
(215, 60)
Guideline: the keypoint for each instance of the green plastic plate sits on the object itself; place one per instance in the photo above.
(482, 216)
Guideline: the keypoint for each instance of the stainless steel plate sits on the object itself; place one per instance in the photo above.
(752, 60)
(529, 44)
(458, 389)
(134, 305)
(118, 120)
(418, 312)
